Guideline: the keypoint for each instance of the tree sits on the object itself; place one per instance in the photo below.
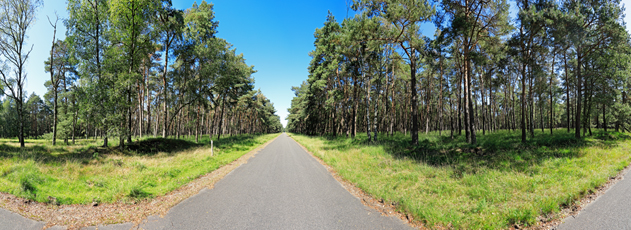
(16, 18)
(593, 25)
(87, 26)
(472, 22)
(54, 82)
(130, 23)
(403, 18)
(170, 23)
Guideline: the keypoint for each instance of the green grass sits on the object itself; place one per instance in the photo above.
(495, 184)
(84, 173)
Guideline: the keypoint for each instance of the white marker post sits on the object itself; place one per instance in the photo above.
(211, 148)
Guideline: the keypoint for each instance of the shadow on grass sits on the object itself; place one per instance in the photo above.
(498, 150)
(146, 147)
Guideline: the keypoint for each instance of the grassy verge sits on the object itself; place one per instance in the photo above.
(83, 173)
(497, 183)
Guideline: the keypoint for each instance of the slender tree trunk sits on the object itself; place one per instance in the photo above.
(483, 103)
(165, 90)
(197, 125)
(523, 103)
(367, 79)
(428, 102)
(531, 101)
(440, 96)
(460, 110)
(413, 99)
(604, 118)
(223, 106)
(148, 128)
(355, 107)
(469, 101)
(579, 93)
(567, 93)
(551, 94)
(54, 83)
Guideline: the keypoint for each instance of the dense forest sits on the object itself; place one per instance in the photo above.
(557, 64)
(129, 68)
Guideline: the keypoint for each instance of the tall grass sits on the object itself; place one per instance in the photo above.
(497, 183)
(85, 173)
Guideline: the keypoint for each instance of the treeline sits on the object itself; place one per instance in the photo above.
(132, 68)
(560, 64)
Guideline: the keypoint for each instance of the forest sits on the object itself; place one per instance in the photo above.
(548, 65)
(128, 69)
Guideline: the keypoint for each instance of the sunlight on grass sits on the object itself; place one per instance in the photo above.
(495, 184)
(84, 173)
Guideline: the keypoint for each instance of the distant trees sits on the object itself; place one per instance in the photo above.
(550, 69)
(132, 68)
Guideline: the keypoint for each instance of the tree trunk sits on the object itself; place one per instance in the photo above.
(164, 91)
(367, 79)
(471, 139)
(551, 94)
(440, 96)
(355, 107)
(413, 99)
(223, 106)
(604, 118)
(567, 93)
(579, 94)
(523, 103)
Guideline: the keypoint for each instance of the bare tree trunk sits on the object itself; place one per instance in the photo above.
(367, 79)
(428, 99)
(413, 98)
(440, 97)
(567, 93)
(469, 101)
(355, 107)
(579, 93)
(223, 106)
(604, 118)
(523, 103)
(197, 125)
(551, 94)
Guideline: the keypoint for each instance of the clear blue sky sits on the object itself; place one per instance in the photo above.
(274, 36)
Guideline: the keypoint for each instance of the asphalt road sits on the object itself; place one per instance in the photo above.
(12, 221)
(611, 210)
(282, 187)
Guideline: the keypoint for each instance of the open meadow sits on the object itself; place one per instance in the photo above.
(497, 183)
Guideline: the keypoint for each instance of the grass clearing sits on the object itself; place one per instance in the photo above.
(84, 173)
(497, 183)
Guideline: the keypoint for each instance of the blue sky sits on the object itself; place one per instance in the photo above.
(274, 36)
